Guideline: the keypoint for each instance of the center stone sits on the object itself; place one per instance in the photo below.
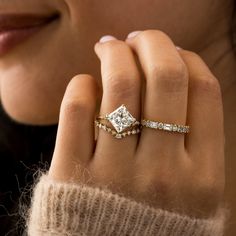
(121, 119)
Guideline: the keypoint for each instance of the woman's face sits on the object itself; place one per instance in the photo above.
(34, 74)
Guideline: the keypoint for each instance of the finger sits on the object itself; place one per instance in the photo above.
(121, 85)
(75, 136)
(166, 89)
(205, 110)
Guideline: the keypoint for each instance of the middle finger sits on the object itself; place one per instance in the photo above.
(166, 90)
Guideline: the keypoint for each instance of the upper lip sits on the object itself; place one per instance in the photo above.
(15, 21)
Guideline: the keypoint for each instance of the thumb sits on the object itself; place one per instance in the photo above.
(75, 136)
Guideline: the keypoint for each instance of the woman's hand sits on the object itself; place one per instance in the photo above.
(181, 172)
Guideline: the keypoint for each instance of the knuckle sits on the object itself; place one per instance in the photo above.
(210, 186)
(211, 194)
(72, 107)
(208, 84)
(160, 185)
(207, 188)
(122, 83)
(171, 69)
(170, 75)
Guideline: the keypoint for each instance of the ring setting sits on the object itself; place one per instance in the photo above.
(125, 124)
(122, 120)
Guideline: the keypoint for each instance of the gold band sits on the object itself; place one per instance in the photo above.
(114, 133)
(164, 126)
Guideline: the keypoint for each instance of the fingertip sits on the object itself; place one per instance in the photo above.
(96, 47)
(132, 35)
(179, 48)
(102, 40)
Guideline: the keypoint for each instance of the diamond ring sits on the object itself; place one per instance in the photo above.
(121, 119)
(165, 126)
(114, 133)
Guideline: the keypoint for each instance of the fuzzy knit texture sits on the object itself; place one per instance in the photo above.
(79, 210)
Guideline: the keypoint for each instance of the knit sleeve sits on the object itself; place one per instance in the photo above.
(79, 210)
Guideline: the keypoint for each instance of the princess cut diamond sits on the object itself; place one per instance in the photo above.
(121, 119)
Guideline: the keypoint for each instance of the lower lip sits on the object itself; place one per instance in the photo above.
(11, 38)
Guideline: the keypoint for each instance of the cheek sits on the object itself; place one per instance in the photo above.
(42, 69)
(121, 17)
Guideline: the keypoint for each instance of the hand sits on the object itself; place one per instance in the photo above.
(168, 170)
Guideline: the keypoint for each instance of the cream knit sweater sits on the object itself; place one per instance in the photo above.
(79, 210)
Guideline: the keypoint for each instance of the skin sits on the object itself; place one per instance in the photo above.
(26, 71)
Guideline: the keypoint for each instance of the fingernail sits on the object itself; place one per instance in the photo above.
(106, 38)
(133, 34)
(178, 48)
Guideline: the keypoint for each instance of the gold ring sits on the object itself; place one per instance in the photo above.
(165, 126)
(114, 133)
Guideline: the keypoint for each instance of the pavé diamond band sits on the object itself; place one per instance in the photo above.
(165, 126)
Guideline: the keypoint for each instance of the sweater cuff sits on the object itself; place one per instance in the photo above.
(76, 209)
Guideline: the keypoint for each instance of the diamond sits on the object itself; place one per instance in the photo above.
(153, 124)
(175, 128)
(180, 129)
(121, 119)
(167, 127)
(118, 136)
(185, 129)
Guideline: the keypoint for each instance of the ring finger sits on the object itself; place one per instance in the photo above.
(121, 85)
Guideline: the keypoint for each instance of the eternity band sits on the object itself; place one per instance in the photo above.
(164, 126)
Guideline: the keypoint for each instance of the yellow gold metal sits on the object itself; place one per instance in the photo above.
(165, 126)
(114, 133)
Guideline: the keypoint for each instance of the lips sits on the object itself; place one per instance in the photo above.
(15, 29)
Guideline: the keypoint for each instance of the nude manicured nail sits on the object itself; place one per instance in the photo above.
(133, 34)
(178, 48)
(106, 38)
